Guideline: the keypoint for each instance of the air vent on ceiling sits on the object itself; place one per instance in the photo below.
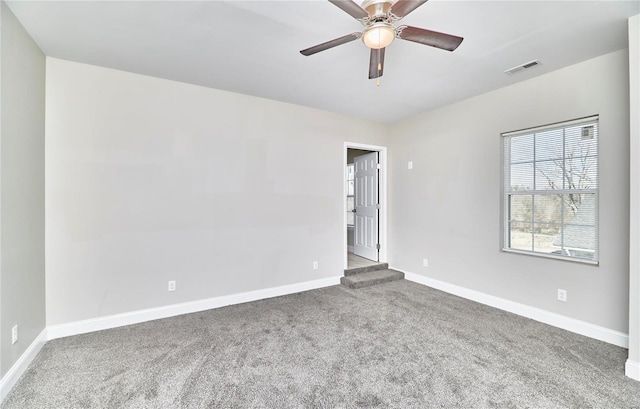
(523, 67)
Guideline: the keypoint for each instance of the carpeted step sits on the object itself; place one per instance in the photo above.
(371, 278)
(365, 269)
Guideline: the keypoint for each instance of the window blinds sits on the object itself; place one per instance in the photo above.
(551, 190)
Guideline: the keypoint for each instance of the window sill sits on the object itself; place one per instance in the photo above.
(553, 256)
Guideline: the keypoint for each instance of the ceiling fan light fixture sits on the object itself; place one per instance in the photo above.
(378, 35)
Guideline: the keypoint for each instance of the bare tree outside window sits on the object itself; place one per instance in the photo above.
(551, 185)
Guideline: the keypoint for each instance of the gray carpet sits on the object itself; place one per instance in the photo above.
(396, 345)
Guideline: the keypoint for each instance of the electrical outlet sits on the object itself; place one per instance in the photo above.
(14, 334)
(410, 165)
(172, 285)
(425, 262)
(562, 295)
(315, 265)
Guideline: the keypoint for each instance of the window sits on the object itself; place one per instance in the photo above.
(551, 190)
(350, 193)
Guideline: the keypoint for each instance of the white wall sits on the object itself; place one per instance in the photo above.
(447, 209)
(150, 180)
(633, 364)
(22, 190)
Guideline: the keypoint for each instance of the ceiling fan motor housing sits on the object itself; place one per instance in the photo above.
(377, 9)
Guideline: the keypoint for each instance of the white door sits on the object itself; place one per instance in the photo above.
(365, 237)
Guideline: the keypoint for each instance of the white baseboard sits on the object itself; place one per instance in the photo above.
(350, 249)
(15, 372)
(135, 317)
(537, 314)
(632, 369)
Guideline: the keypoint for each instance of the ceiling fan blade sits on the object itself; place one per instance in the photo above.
(403, 7)
(427, 37)
(351, 8)
(330, 44)
(376, 63)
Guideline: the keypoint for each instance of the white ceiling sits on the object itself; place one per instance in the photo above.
(251, 47)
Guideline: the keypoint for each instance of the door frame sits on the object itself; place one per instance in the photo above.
(382, 193)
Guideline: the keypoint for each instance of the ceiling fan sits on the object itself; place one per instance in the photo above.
(378, 18)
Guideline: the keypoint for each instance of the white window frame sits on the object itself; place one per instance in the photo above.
(507, 192)
(352, 166)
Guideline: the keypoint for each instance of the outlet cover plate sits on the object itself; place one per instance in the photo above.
(562, 295)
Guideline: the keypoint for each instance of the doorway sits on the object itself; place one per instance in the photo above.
(365, 203)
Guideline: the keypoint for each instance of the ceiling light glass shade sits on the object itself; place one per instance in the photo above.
(378, 35)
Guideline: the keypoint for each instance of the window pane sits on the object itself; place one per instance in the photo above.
(580, 209)
(350, 172)
(579, 236)
(579, 241)
(350, 207)
(549, 145)
(548, 222)
(521, 236)
(350, 193)
(548, 209)
(582, 173)
(544, 237)
(522, 148)
(522, 176)
(549, 175)
(520, 208)
(581, 141)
